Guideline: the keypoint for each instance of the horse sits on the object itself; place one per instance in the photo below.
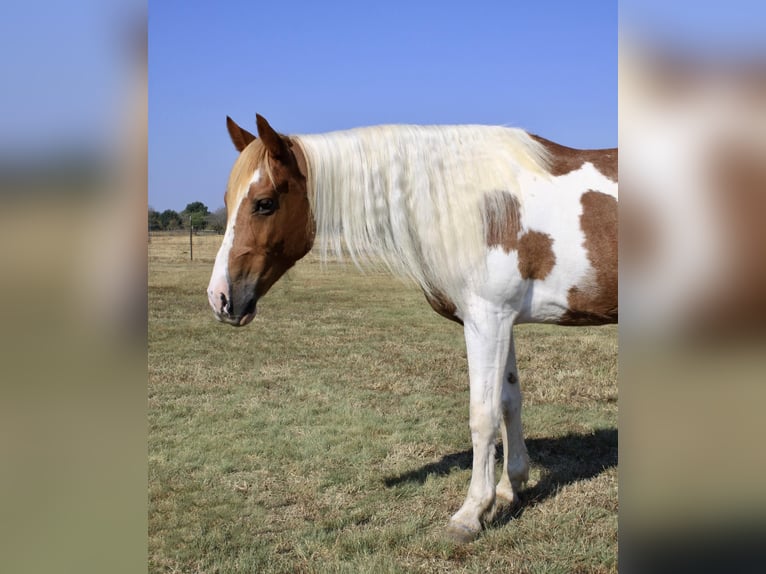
(497, 226)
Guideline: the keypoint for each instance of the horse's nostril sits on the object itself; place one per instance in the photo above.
(224, 302)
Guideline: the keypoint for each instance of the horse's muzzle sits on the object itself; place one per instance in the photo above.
(238, 308)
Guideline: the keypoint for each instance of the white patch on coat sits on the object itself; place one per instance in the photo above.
(219, 279)
(552, 205)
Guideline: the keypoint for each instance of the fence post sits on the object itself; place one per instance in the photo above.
(191, 246)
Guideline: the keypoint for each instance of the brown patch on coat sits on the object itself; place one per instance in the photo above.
(565, 159)
(640, 234)
(502, 228)
(595, 303)
(443, 305)
(502, 221)
(536, 257)
(737, 305)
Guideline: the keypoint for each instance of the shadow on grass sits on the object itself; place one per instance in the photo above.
(564, 460)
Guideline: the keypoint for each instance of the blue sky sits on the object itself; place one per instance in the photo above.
(64, 73)
(549, 67)
(726, 28)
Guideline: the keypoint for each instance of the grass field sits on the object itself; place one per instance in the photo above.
(331, 435)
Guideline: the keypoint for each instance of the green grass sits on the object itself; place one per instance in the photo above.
(331, 435)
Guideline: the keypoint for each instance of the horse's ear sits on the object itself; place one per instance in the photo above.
(239, 137)
(271, 139)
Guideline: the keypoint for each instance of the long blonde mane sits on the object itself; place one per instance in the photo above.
(416, 198)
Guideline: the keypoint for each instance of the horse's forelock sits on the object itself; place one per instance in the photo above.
(254, 157)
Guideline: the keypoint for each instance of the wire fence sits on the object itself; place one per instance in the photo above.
(180, 245)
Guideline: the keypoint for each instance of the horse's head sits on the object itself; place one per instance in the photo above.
(269, 224)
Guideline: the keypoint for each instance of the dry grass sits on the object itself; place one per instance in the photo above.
(331, 435)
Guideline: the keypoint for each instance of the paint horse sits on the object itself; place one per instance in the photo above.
(497, 227)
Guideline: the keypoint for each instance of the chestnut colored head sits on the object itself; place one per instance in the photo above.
(269, 222)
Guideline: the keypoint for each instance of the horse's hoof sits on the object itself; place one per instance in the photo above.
(509, 496)
(505, 494)
(461, 534)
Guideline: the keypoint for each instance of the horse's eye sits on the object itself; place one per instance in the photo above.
(265, 206)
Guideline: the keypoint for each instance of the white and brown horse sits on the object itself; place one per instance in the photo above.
(496, 226)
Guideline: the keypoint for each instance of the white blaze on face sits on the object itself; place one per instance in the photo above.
(218, 288)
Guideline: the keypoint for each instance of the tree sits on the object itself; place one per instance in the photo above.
(198, 212)
(155, 223)
(217, 220)
(196, 206)
(170, 219)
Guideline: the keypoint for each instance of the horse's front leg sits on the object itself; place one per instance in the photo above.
(488, 342)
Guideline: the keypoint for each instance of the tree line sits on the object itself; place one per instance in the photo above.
(196, 213)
